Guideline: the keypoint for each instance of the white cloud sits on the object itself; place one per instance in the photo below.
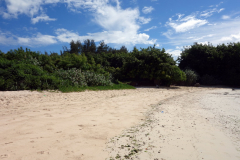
(174, 52)
(231, 38)
(118, 37)
(210, 12)
(36, 40)
(153, 27)
(226, 17)
(232, 15)
(43, 17)
(222, 32)
(202, 37)
(28, 7)
(118, 25)
(216, 5)
(6, 38)
(220, 10)
(32, 8)
(147, 10)
(64, 35)
(143, 20)
(186, 23)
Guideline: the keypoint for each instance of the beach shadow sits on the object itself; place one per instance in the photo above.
(160, 87)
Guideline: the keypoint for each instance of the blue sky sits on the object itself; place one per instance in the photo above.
(47, 25)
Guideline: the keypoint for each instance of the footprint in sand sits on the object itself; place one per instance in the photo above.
(40, 152)
(4, 156)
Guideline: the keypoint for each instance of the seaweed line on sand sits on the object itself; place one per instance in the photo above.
(136, 140)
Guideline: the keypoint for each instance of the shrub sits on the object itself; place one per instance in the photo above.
(78, 78)
(191, 77)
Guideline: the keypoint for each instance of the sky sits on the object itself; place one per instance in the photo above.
(48, 25)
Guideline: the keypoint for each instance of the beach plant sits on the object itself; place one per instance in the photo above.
(79, 78)
(191, 77)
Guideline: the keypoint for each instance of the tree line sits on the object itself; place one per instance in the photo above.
(85, 64)
(214, 65)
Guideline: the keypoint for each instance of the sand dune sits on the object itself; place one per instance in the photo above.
(146, 123)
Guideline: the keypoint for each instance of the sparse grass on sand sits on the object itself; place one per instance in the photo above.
(96, 88)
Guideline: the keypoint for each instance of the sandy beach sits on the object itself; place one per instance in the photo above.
(181, 123)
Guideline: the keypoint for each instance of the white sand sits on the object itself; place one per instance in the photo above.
(191, 123)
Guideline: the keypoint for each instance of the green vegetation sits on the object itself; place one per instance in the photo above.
(85, 66)
(214, 65)
(191, 77)
(96, 88)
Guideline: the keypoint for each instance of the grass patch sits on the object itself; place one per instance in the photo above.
(96, 88)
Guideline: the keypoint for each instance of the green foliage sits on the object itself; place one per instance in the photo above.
(152, 64)
(209, 80)
(191, 77)
(85, 65)
(210, 62)
(76, 77)
(24, 76)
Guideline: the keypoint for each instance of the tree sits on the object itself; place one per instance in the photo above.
(123, 49)
(75, 47)
(102, 47)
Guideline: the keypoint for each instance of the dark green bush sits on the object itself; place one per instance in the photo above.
(24, 76)
(209, 80)
(215, 64)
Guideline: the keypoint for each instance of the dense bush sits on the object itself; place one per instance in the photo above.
(152, 64)
(219, 64)
(85, 65)
(209, 80)
(23, 76)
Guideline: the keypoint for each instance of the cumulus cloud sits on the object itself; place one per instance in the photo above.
(43, 17)
(147, 10)
(28, 7)
(118, 25)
